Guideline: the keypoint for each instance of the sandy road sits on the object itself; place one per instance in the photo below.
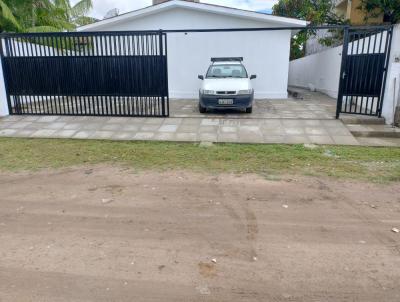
(111, 234)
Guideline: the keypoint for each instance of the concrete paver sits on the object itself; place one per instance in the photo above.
(382, 141)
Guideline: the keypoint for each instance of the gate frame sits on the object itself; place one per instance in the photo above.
(8, 49)
(387, 48)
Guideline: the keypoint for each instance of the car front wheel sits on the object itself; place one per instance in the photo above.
(249, 109)
(202, 109)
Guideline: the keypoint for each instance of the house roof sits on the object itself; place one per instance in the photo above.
(204, 7)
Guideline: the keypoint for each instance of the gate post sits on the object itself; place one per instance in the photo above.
(4, 110)
(342, 73)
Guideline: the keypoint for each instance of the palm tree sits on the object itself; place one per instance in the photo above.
(77, 14)
(43, 15)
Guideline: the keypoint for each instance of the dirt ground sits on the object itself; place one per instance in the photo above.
(112, 234)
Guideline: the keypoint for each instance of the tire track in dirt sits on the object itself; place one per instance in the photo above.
(249, 226)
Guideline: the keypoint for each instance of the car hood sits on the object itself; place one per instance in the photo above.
(226, 84)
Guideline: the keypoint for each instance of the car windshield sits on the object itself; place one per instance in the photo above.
(227, 71)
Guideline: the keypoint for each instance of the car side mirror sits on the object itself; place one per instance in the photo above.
(201, 77)
(253, 76)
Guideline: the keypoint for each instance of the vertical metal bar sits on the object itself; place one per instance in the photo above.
(22, 104)
(129, 45)
(370, 68)
(31, 45)
(115, 45)
(29, 104)
(376, 73)
(342, 68)
(19, 48)
(23, 47)
(40, 39)
(57, 97)
(75, 104)
(350, 72)
(371, 71)
(36, 101)
(37, 47)
(354, 85)
(361, 81)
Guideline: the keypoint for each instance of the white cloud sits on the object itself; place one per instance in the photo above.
(101, 7)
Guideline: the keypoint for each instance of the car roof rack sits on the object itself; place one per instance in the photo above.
(227, 59)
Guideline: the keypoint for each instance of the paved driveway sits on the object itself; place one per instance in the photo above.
(313, 105)
(180, 129)
(292, 121)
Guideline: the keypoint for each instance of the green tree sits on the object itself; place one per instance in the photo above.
(76, 14)
(390, 9)
(317, 12)
(43, 15)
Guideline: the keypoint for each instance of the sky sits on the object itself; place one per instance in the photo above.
(101, 7)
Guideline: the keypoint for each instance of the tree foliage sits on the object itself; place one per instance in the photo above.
(43, 15)
(316, 12)
(7, 16)
(375, 8)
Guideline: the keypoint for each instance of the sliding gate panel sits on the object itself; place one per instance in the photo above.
(99, 74)
(365, 58)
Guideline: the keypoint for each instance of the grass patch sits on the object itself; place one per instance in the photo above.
(366, 163)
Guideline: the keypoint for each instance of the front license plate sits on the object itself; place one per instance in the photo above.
(225, 101)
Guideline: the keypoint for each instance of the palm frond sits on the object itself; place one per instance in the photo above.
(84, 20)
(7, 14)
(42, 29)
(81, 8)
(63, 4)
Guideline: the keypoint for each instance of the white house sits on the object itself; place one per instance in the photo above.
(266, 53)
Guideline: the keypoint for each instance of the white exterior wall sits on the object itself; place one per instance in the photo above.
(392, 92)
(320, 70)
(265, 53)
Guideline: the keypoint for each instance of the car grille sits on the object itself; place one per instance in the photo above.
(226, 92)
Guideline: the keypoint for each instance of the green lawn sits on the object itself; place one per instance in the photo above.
(368, 163)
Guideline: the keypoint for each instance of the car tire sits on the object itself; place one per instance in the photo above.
(202, 109)
(249, 109)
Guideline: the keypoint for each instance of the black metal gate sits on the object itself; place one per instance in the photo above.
(363, 72)
(98, 74)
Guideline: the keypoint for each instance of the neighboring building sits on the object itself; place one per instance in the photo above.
(266, 53)
(349, 9)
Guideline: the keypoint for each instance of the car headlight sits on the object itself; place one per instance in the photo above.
(208, 92)
(248, 91)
